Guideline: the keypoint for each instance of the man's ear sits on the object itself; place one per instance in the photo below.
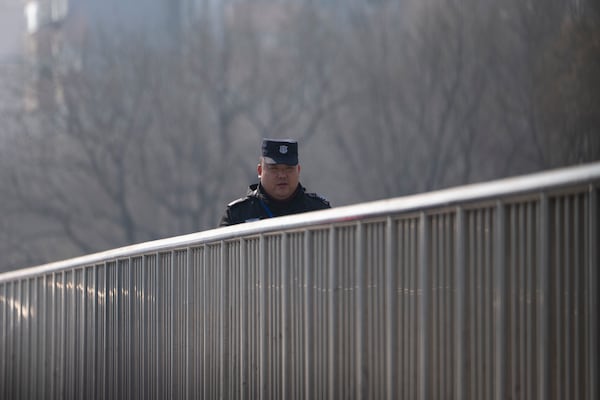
(259, 169)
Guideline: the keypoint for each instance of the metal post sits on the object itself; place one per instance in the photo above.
(391, 309)
(423, 309)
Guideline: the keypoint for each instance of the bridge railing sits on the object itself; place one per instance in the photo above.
(487, 291)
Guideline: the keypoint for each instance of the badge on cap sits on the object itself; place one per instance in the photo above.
(280, 151)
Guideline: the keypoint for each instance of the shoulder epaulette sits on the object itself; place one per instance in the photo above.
(238, 201)
(317, 197)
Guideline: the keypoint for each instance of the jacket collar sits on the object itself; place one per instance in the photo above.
(256, 190)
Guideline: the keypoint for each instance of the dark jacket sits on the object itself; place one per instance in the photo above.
(258, 205)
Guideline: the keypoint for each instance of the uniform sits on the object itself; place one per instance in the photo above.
(279, 191)
(258, 205)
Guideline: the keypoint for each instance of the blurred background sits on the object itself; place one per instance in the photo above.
(124, 121)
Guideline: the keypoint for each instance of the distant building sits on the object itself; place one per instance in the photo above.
(56, 30)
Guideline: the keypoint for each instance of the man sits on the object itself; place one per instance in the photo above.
(278, 192)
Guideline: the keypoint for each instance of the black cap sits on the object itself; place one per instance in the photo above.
(283, 151)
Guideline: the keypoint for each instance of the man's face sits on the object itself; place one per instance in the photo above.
(279, 180)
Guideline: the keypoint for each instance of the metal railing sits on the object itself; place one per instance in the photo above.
(487, 291)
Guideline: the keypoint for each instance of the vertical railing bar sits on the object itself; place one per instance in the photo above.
(568, 322)
(271, 319)
(42, 337)
(361, 362)
(28, 353)
(414, 304)
(10, 347)
(577, 271)
(543, 300)
(558, 325)
(13, 341)
(285, 295)
(105, 333)
(446, 265)
(143, 321)
(3, 335)
(262, 356)
(434, 306)
(309, 346)
(512, 301)
(332, 322)
(530, 300)
(205, 384)
(18, 345)
(96, 300)
(487, 298)
(448, 314)
(295, 306)
(157, 325)
(126, 353)
(26, 340)
(408, 327)
(442, 301)
(40, 332)
(439, 267)
(187, 347)
(592, 300)
(34, 313)
(488, 292)
(116, 369)
(171, 335)
(446, 321)
(479, 269)
(130, 356)
(499, 302)
(14, 345)
(23, 349)
(4, 381)
(84, 333)
(244, 320)
(322, 329)
(234, 321)
(64, 337)
(209, 305)
(224, 322)
(460, 326)
(423, 309)
(33, 332)
(524, 374)
(472, 302)
(391, 309)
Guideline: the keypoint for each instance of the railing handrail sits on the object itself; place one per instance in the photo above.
(446, 197)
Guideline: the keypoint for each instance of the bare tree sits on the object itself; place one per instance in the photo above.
(569, 96)
(544, 90)
(421, 87)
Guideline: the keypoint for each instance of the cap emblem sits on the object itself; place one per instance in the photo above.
(283, 149)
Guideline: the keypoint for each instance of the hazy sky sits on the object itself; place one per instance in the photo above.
(12, 27)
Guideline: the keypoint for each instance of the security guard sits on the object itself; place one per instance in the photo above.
(279, 191)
